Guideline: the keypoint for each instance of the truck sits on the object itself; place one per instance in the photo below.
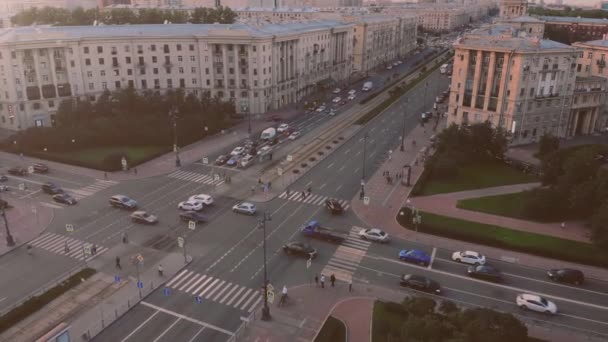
(313, 229)
(268, 133)
(443, 69)
(367, 86)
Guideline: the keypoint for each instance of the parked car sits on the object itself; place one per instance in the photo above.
(566, 275)
(352, 96)
(244, 208)
(415, 256)
(246, 161)
(469, 257)
(321, 109)
(3, 178)
(3, 188)
(187, 216)
(123, 202)
(233, 161)
(332, 112)
(485, 272)
(336, 99)
(144, 217)
(204, 198)
(40, 168)
(352, 92)
(17, 171)
(299, 249)
(265, 149)
(419, 282)
(51, 188)
(334, 206)
(282, 128)
(190, 205)
(221, 160)
(374, 234)
(294, 135)
(534, 302)
(337, 91)
(239, 150)
(64, 199)
(389, 67)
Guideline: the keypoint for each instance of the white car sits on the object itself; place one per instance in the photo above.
(336, 100)
(337, 91)
(3, 188)
(352, 96)
(352, 91)
(374, 235)
(395, 63)
(246, 161)
(190, 205)
(534, 302)
(237, 151)
(321, 109)
(265, 149)
(282, 128)
(244, 208)
(389, 67)
(294, 136)
(204, 198)
(332, 112)
(469, 257)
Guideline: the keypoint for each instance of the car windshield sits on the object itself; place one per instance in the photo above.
(544, 302)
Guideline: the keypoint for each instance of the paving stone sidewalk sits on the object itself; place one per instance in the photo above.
(27, 220)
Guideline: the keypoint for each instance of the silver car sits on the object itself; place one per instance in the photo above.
(244, 208)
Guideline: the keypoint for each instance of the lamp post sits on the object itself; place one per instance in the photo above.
(362, 193)
(173, 116)
(403, 133)
(416, 218)
(10, 241)
(265, 310)
(426, 83)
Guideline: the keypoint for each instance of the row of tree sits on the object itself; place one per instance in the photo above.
(568, 12)
(421, 319)
(121, 16)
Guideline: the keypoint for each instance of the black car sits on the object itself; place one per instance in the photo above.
(193, 216)
(334, 206)
(299, 249)
(566, 275)
(17, 171)
(64, 198)
(484, 272)
(221, 160)
(3, 178)
(51, 188)
(421, 283)
(40, 168)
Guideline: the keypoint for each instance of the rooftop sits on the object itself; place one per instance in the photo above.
(575, 20)
(523, 19)
(511, 43)
(596, 43)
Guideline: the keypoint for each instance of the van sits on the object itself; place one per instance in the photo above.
(367, 86)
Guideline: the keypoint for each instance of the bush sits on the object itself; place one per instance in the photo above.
(545, 204)
(114, 161)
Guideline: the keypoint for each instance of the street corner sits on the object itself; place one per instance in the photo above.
(27, 220)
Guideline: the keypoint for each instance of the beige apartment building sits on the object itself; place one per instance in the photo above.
(524, 85)
(432, 17)
(526, 26)
(258, 68)
(513, 8)
(588, 114)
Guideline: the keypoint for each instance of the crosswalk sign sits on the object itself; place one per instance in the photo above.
(166, 291)
(270, 295)
(69, 228)
(366, 200)
(205, 160)
(87, 250)
(191, 225)
(198, 299)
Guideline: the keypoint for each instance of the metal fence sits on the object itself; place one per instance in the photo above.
(241, 332)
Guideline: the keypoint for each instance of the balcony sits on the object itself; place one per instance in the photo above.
(601, 63)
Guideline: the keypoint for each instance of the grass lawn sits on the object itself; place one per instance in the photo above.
(332, 330)
(543, 245)
(95, 156)
(386, 317)
(476, 176)
(509, 205)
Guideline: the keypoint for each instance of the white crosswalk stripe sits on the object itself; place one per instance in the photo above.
(313, 199)
(56, 243)
(90, 189)
(347, 257)
(216, 290)
(196, 177)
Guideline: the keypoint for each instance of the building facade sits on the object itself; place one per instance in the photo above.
(571, 29)
(513, 8)
(526, 26)
(433, 17)
(588, 111)
(258, 68)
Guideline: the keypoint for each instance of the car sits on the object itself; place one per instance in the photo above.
(204, 198)
(294, 135)
(332, 112)
(299, 249)
(51, 188)
(187, 216)
(123, 202)
(469, 257)
(17, 171)
(414, 256)
(282, 128)
(246, 161)
(337, 91)
(190, 205)
(3, 188)
(264, 150)
(3, 178)
(374, 234)
(336, 99)
(40, 168)
(485, 272)
(244, 208)
(321, 109)
(352, 96)
(141, 216)
(222, 159)
(352, 92)
(566, 275)
(419, 282)
(534, 302)
(334, 206)
(239, 150)
(389, 67)
(399, 62)
(233, 161)
(395, 63)
(64, 198)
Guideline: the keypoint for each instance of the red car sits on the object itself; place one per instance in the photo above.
(221, 160)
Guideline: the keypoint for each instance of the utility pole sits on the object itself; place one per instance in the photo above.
(362, 193)
(403, 133)
(10, 241)
(426, 83)
(173, 116)
(266, 310)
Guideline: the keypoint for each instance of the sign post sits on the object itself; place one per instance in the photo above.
(205, 160)
(191, 225)
(366, 200)
(69, 228)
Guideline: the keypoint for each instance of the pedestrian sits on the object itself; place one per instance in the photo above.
(66, 247)
(260, 181)
(105, 175)
(269, 185)
(135, 170)
(287, 192)
(332, 279)
(29, 249)
(309, 190)
(563, 225)
(252, 189)
(160, 270)
(94, 249)
(350, 285)
(303, 195)
(316, 280)
(118, 263)
(125, 238)
(322, 281)
(390, 156)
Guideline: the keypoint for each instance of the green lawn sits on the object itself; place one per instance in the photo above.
(509, 205)
(332, 331)
(387, 317)
(543, 245)
(476, 176)
(95, 156)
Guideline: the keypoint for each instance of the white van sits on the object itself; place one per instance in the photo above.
(367, 86)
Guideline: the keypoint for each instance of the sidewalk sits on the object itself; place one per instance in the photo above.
(27, 220)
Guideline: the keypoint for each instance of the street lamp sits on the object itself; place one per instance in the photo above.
(362, 193)
(10, 241)
(416, 218)
(173, 116)
(265, 310)
(403, 133)
(426, 83)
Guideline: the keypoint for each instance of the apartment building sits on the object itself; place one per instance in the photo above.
(513, 8)
(588, 110)
(526, 26)
(259, 68)
(524, 85)
(432, 17)
(576, 29)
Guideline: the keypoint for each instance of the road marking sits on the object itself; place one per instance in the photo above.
(196, 335)
(166, 330)
(30, 194)
(2, 299)
(341, 168)
(432, 258)
(141, 325)
(358, 153)
(357, 169)
(346, 152)
(330, 165)
(339, 187)
(322, 186)
(307, 184)
(186, 318)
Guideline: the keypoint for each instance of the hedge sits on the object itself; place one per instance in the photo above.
(36, 303)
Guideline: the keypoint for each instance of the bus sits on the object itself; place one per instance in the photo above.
(443, 69)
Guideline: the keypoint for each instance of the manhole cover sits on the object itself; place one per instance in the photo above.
(335, 141)
(160, 242)
(303, 165)
(320, 153)
(328, 147)
(312, 159)
(341, 138)
(296, 171)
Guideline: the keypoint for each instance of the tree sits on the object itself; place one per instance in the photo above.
(582, 199)
(599, 227)
(551, 167)
(481, 324)
(548, 144)
(579, 167)
(419, 306)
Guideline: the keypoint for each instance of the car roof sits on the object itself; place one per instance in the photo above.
(529, 296)
(375, 230)
(472, 253)
(415, 277)
(246, 204)
(120, 197)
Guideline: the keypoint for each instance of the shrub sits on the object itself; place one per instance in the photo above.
(114, 161)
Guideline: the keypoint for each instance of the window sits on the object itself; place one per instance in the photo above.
(231, 71)
(100, 49)
(194, 81)
(45, 78)
(192, 59)
(104, 85)
(208, 83)
(129, 72)
(155, 71)
(179, 47)
(154, 59)
(114, 50)
(166, 48)
(169, 83)
(141, 61)
(116, 72)
(36, 105)
(181, 70)
(128, 60)
(114, 61)
(72, 64)
(191, 47)
(117, 84)
(144, 84)
(140, 49)
(127, 48)
(87, 61)
(91, 86)
(206, 71)
(531, 91)
(102, 73)
(86, 49)
(153, 47)
(101, 61)
(156, 83)
(180, 58)
(168, 70)
(131, 84)
(89, 74)
(193, 70)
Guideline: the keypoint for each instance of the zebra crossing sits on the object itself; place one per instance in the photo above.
(347, 257)
(91, 189)
(296, 196)
(216, 290)
(197, 177)
(56, 243)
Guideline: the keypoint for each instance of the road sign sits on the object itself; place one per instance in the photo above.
(140, 284)
(191, 225)
(166, 291)
(21, 186)
(117, 279)
(180, 242)
(279, 171)
(140, 258)
(366, 200)
(362, 182)
(270, 295)
(289, 157)
(69, 228)
(205, 160)
(87, 250)
(198, 299)
(308, 263)
(269, 287)
(216, 177)
(30, 169)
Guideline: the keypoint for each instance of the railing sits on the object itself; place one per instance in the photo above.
(242, 330)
